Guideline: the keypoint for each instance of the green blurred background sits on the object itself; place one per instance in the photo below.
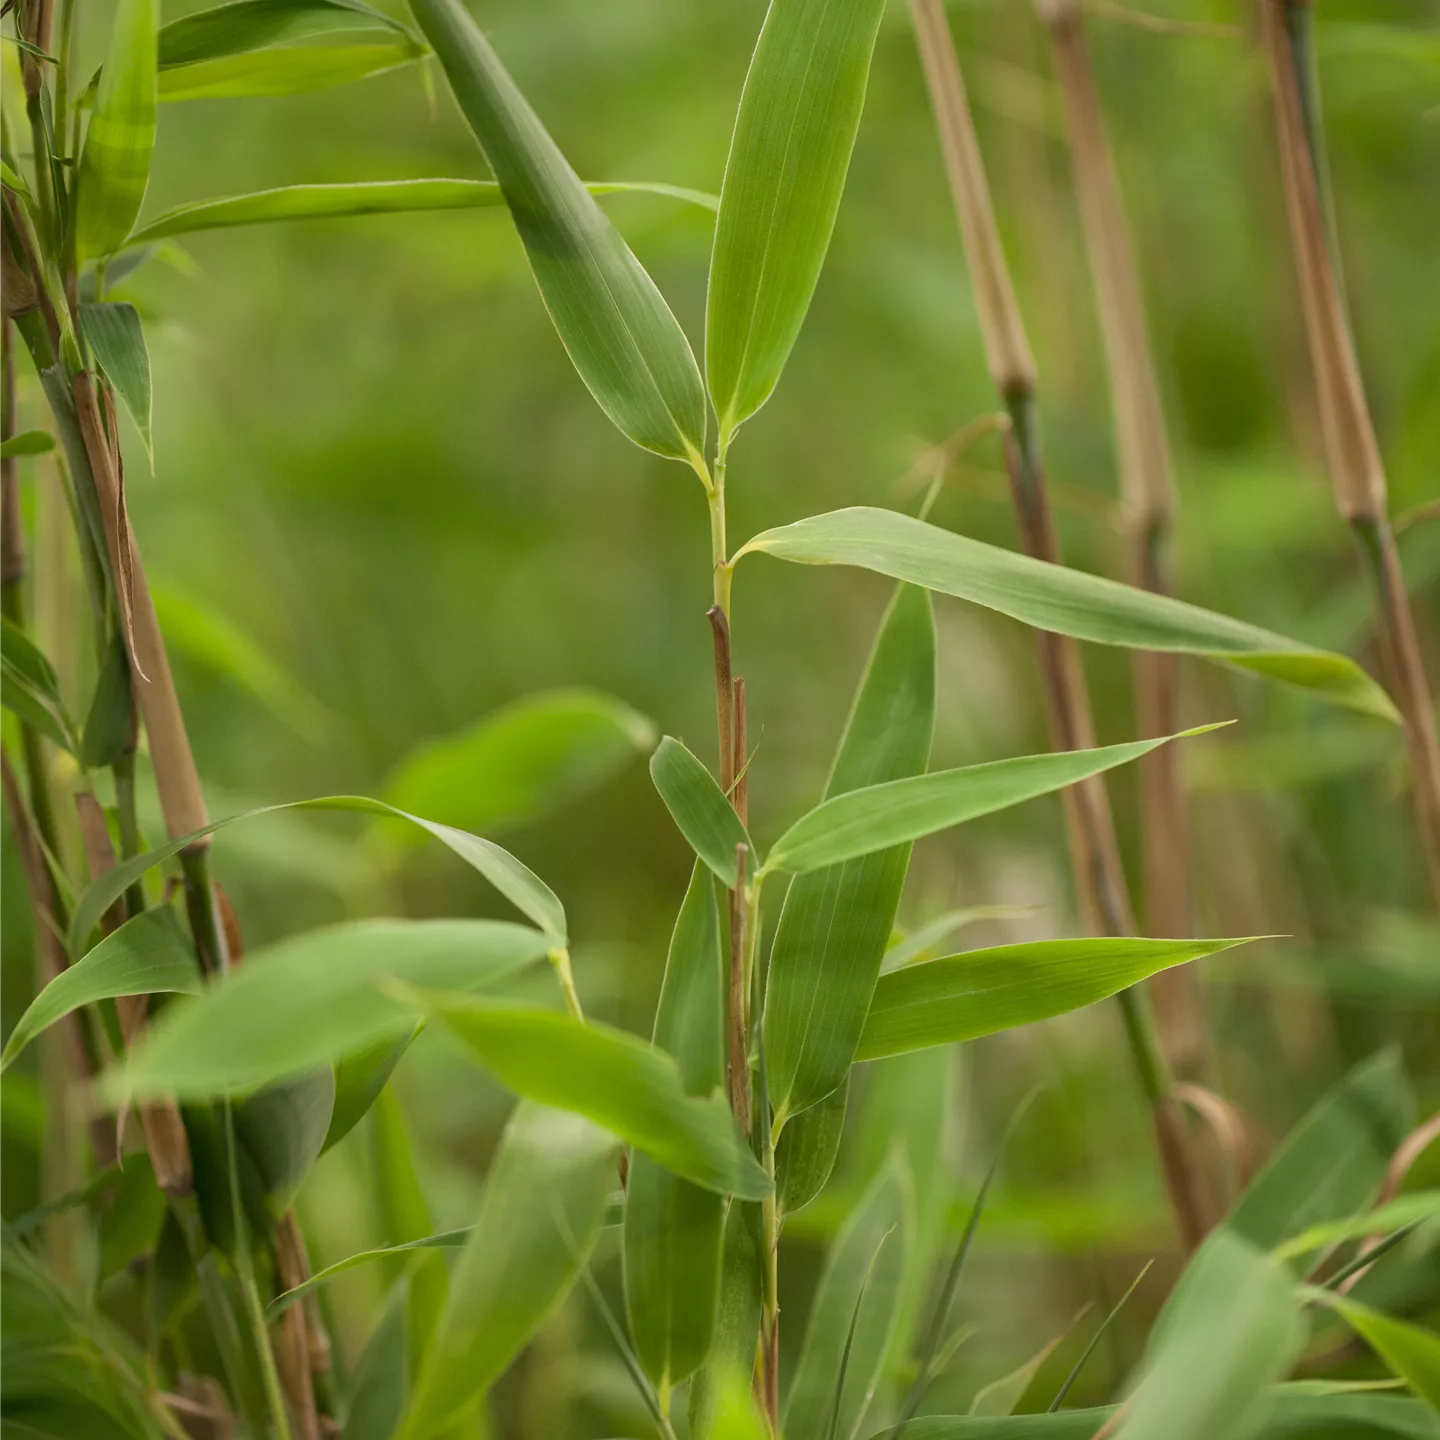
(373, 457)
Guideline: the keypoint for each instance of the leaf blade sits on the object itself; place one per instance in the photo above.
(117, 338)
(700, 810)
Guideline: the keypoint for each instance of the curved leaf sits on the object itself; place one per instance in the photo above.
(516, 882)
(794, 132)
(836, 922)
(286, 70)
(445, 1240)
(1408, 1210)
(698, 806)
(521, 762)
(543, 1205)
(629, 1087)
(899, 811)
(27, 442)
(149, 955)
(621, 336)
(359, 1079)
(982, 991)
(115, 164)
(1408, 1351)
(114, 333)
(1068, 602)
(245, 25)
(312, 998)
(366, 197)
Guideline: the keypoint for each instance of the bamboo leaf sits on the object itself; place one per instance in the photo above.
(621, 336)
(516, 882)
(283, 1128)
(1068, 602)
(674, 1230)
(711, 1412)
(445, 1240)
(366, 197)
(117, 338)
(110, 720)
(789, 155)
(285, 70)
(1231, 1328)
(1408, 1210)
(245, 25)
(872, 1243)
(1408, 1351)
(115, 164)
(29, 687)
(380, 1384)
(522, 762)
(148, 955)
(980, 992)
(308, 1000)
(805, 1153)
(698, 806)
(836, 922)
(359, 1079)
(899, 811)
(27, 442)
(1334, 1160)
(542, 1209)
(924, 942)
(614, 1079)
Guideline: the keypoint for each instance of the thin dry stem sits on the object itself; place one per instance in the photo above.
(291, 1338)
(1410, 1150)
(739, 1031)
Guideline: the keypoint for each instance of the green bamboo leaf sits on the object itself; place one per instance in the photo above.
(148, 955)
(359, 1079)
(27, 442)
(1334, 1160)
(115, 164)
(673, 1229)
(521, 762)
(312, 998)
(789, 155)
(1408, 1210)
(1231, 1328)
(380, 1384)
(980, 992)
(445, 1240)
(516, 882)
(924, 943)
(283, 1129)
(628, 347)
(542, 1209)
(699, 807)
(1068, 602)
(117, 339)
(805, 1153)
(711, 1411)
(836, 922)
(1408, 1351)
(285, 70)
(405, 1215)
(614, 1079)
(871, 1247)
(899, 811)
(29, 687)
(245, 25)
(367, 197)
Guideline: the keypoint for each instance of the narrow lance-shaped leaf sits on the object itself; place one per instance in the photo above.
(899, 811)
(732, 1351)
(516, 882)
(789, 155)
(1231, 1328)
(673, 1229)
(115, 164)
(444, 1240)
(805, 1153)
(622, 338)
(542, 1209)
(380, 1382)
(29, 687)
(27, 442)
(366, 197)
(313, 998)
(699, 807)
(984, 991)
(614, 1079)
(836, 922)
(1332, 1163)
(148, 955)
(1408, 1351)
(1068, 602)
(359, 1079)
(117, 339)
(865, 1268)
(1399, 1214)
(283, 1128)
(246, 25)
(287, 69)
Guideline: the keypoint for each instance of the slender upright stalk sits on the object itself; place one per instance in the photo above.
(1356, 467)
(1147, 487)
(1095, 855)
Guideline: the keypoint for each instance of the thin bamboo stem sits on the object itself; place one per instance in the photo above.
(1099, 875)
(1148, 489)
(1353, 453)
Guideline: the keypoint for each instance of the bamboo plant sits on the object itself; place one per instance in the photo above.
(783, 971)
